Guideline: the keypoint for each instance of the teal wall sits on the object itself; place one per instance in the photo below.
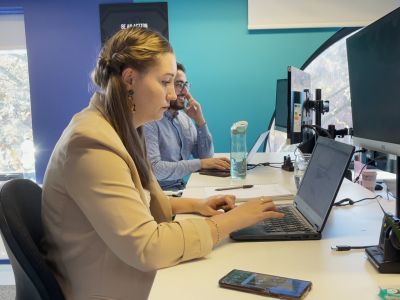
(233, 71)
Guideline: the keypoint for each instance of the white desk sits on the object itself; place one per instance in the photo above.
(335, 275)
(258, 175)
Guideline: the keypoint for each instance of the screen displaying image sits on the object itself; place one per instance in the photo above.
(271, 284)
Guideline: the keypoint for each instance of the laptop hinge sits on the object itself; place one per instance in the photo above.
(314, 226)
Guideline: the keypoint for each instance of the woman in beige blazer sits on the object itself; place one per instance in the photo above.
(108, 225)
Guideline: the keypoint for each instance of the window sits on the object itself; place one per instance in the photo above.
(329, 72)
(16, 141)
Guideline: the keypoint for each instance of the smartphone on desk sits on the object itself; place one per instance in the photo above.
(266, 285)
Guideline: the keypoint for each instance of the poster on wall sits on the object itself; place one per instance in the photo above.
(114, 17)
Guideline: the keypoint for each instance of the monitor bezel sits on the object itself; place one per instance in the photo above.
(278, 83)
(376, 145)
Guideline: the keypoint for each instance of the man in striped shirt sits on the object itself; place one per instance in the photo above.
(180, 143)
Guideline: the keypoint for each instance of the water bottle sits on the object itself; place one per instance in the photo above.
(238, 150)
(300, 165)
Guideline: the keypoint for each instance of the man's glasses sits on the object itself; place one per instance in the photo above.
(179, 84)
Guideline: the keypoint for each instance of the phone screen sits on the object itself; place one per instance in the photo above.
(266, 284)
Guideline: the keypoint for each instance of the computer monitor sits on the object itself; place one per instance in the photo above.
(298, 82)
(374, 76)
(281, 105)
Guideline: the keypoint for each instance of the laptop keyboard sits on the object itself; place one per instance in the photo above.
(289, 223)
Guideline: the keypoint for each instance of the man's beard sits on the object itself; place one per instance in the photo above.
(175, 104)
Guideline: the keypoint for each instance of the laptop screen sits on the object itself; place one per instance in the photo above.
(256, 146)
(322, 180)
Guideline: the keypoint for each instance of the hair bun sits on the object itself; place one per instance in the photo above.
(108, 65)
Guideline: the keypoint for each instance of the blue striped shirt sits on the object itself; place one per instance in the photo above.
(175, 146)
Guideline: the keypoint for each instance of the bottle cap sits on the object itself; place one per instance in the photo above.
(239, 127)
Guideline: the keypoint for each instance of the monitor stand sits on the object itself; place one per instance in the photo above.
(385, 257)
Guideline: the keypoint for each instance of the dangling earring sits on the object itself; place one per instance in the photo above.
(130, 98)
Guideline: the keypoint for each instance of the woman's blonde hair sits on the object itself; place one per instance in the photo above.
(136, 48)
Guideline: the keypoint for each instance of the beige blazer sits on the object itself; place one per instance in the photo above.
(103, 238)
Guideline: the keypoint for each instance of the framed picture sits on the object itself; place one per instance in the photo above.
(114, 17)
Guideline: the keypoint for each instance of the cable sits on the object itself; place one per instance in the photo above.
(388, 193)
(252, 166)
(351, 202)
(269, 164)
(360, 151)
(313, 128)
(308, 142)
(274, 167)
(348, 201)
(347, 247)
(316, 128)
(265, 164)
(368, 163)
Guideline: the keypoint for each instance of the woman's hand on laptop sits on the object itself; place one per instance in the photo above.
(249, 213)
(254, 211)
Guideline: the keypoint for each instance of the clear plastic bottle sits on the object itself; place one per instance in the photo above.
(300, 165)
(238, 150)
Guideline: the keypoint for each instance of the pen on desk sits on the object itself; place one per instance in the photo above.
(245, 186)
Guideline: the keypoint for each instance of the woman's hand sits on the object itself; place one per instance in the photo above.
(247, 214)
(254, 211)
(214, 204)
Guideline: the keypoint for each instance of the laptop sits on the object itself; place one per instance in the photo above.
(261, 138)
(305, 218)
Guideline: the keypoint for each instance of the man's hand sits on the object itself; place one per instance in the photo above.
(220, 163)
(193, 110)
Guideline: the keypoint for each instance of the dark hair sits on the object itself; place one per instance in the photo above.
(137, 48)
(179, 66)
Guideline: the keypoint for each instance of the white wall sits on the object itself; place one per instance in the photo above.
(12, 32)
(277, 14)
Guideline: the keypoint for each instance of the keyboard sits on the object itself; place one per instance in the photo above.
(289, 223)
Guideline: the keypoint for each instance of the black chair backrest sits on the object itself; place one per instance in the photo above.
(22, 231)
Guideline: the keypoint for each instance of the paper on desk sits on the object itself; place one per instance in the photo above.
(276, 191)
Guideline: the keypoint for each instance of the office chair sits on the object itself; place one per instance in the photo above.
(21, 229)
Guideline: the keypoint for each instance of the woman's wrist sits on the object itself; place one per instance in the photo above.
(225, 223)
(184, 205)
(196, 205)
(215, 230)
